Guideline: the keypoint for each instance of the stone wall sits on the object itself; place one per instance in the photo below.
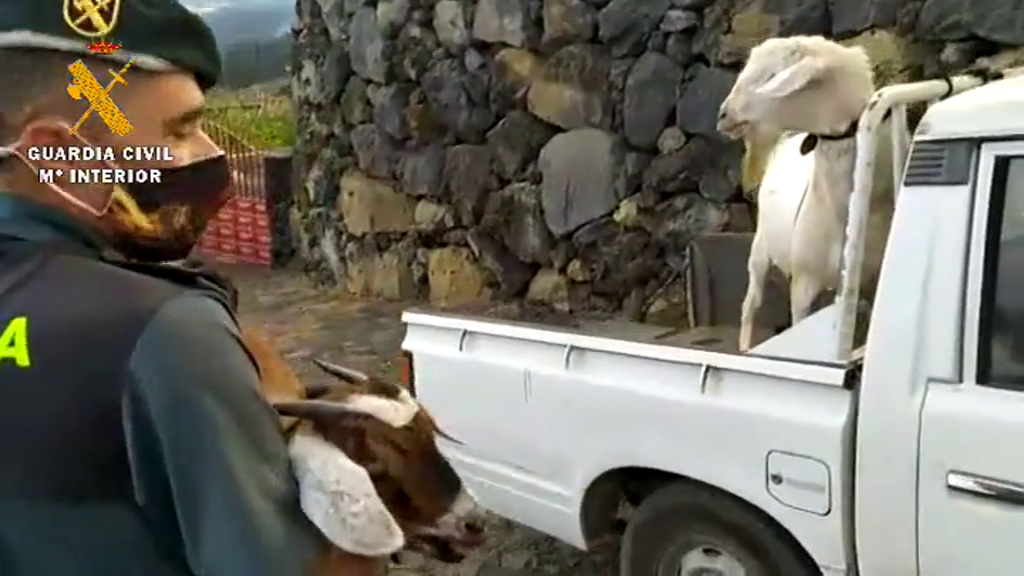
(561, 150)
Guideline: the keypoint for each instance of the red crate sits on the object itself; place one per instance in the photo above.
(240, 233)
(250, 252)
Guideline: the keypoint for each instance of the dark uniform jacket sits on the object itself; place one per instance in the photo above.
(133, 439)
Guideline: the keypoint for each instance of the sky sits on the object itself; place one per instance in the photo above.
(210, 5)
(207, 5)
(236, 20)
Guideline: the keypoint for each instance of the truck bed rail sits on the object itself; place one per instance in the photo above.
(576, 341)
(889, 101)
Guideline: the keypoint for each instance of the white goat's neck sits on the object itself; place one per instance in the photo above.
(834, 163)
(832, 176)
(831, 186)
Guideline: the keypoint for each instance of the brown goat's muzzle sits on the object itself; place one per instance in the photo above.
(449, 548)
(456, 533)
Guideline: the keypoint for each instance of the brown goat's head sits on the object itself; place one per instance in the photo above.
(383, 429)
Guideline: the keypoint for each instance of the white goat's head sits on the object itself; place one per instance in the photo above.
(800, 83)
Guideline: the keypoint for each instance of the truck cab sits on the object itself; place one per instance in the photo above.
(943, 375)
(812, 453)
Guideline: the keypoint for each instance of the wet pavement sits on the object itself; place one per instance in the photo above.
(307, 322)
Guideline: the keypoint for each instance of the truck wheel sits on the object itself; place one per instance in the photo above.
(687, 530)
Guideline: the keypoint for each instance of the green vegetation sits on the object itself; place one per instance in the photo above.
(263, 121)
(245, 103)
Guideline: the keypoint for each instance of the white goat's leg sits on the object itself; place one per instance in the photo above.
(757, 272)
(803, 289)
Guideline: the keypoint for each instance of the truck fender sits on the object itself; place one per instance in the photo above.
(602, 514)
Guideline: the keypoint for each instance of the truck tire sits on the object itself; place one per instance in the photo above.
(688, 530)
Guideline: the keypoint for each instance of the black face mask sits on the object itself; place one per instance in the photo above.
(162, 221)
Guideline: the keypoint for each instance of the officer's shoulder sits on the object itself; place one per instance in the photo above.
(191, 326)
(192, 342)
(121, 284)
(157, 299)
(194, 311)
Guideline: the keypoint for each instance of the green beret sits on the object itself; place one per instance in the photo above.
(162, 35)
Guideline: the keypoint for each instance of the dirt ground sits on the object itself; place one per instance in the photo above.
(307, 322)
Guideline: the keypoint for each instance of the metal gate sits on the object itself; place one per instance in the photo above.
(240, 233)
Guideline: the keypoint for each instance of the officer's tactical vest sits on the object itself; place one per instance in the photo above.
(61, 423)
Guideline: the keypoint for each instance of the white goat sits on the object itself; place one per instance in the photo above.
(804, 94)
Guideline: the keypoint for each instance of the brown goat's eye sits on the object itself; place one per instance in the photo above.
(403, 499)
(401, 504)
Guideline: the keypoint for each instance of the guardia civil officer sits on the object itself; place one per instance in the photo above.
(133, 441)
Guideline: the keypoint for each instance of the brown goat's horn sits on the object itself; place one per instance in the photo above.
(314, 391)
(397, 413)
(313, 409)
(346, 374)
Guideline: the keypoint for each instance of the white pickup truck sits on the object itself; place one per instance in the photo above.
(812, 453)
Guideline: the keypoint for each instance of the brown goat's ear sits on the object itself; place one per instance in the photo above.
(341, 372)
(445, 435)
(437, 430)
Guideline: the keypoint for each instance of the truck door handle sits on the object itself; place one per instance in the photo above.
(981, 486)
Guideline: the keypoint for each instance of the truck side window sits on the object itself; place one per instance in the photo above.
(1001, 333)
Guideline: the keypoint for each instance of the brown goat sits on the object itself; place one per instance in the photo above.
(380, 427)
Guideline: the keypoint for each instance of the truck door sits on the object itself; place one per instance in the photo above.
(971, 459)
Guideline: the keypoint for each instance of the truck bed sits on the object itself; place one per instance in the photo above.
(541, 411)
(715, 284)
(723, 339)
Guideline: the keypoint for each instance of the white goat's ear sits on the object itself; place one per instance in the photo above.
(791, 79)
(338, 496)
